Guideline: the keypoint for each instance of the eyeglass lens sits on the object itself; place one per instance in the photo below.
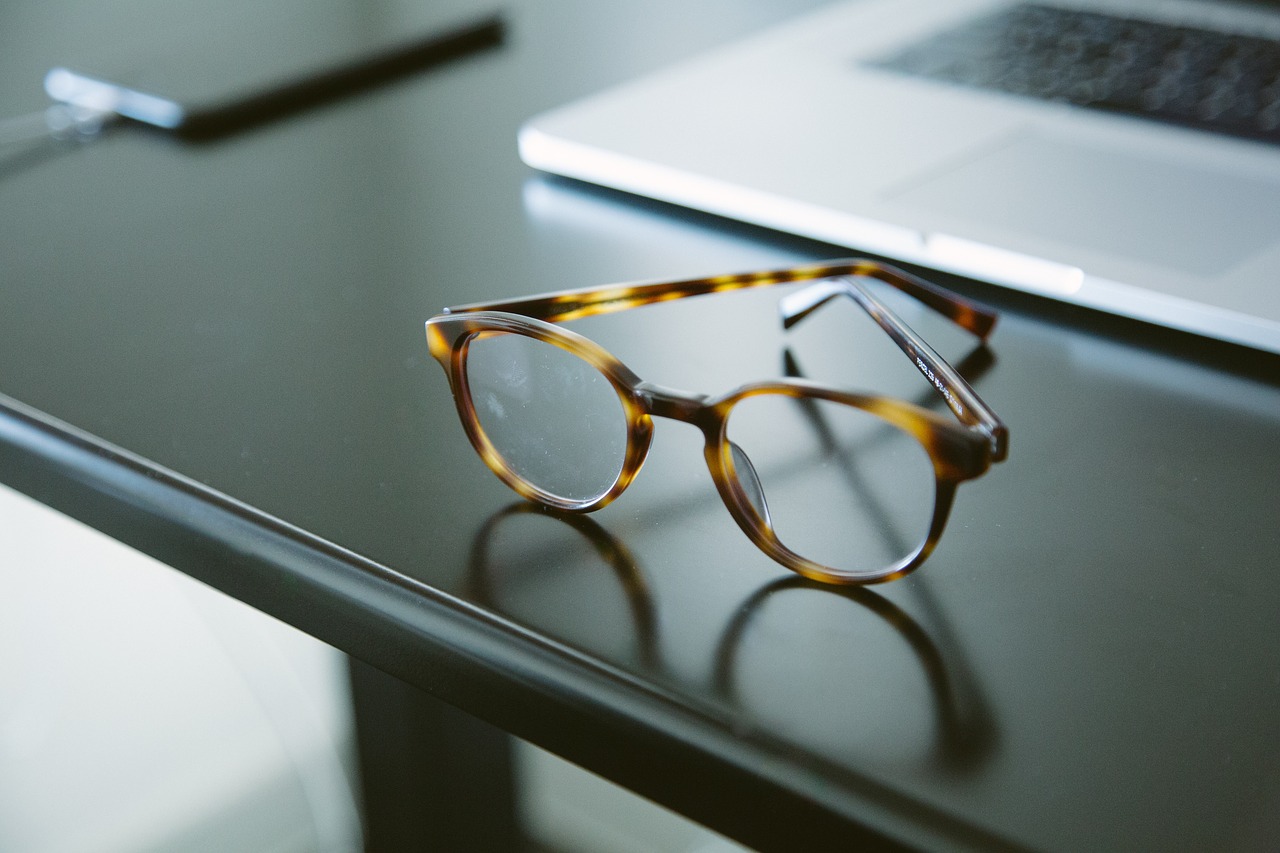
(555, 420)
(840, 486)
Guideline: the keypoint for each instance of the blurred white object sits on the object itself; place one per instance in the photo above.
(141, 710)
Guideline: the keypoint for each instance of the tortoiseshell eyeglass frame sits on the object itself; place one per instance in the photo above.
(959, 451)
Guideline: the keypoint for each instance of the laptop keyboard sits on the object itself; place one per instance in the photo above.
(1191, 77)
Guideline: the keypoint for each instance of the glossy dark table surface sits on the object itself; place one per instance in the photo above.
(215, 353)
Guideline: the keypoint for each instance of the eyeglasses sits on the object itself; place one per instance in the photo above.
(565, 423)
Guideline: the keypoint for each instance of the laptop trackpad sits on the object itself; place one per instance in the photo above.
(1164, 213)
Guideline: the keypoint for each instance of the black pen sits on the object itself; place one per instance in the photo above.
(94, 96)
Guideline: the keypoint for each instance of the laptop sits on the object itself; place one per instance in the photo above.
(1119, 155)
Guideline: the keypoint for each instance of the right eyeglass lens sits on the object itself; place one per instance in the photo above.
(556, 421)
(842, 487)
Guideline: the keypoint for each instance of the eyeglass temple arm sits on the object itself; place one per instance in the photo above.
(831, 280)
(959, 395)
(971, 316)
(572, 304)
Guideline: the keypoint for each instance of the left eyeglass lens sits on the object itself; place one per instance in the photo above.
(555, 420)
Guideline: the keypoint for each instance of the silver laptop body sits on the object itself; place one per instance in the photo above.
(805, 130)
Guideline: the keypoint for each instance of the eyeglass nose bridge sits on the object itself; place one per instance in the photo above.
(731, 471)
(660, 401)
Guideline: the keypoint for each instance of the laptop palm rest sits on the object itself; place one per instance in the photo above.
(1170, 215)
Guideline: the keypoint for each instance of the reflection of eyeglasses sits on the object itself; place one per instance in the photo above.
(862, 500)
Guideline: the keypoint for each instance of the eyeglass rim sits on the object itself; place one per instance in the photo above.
(947, 475)
(955, 451)
(450, 336)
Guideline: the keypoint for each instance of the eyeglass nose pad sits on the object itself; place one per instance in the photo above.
(746, 474)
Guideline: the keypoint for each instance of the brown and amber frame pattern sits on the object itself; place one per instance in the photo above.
(959, 450)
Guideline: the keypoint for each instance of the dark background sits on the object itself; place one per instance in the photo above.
(1089, 660)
